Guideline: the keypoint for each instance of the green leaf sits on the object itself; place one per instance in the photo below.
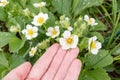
(62, 6)
(3, 60)
(102, 59)
(5, 38)
(96, 74)
(51, 20)
(83, 43)
(4, 66)
(3, 15)
(16, 44)
(99, 27)
(99, 36)
(15, 60)
(116, 50)
(80, 5)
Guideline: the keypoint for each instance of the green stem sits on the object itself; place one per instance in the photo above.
(45, 27)
(113, 32)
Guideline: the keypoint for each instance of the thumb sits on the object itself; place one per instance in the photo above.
(19, 73)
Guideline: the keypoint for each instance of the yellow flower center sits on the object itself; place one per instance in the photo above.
(40, 20)
(93, 45)
(30, 32)
(90, 21)
(69, 40)
(54, 32)
(4, 3)
(41, 4)
(32, 51)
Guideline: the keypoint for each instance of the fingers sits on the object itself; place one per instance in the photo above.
(74, 70)
(19, 73)
(49, 75)
(69, 57)
(43, 63)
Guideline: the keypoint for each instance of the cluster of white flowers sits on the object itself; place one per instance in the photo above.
(32, 31)
(90, 21)
(68, 40)
(3, 3)
(64, 21)
(94, 45)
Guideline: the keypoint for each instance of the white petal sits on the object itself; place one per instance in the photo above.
(28, 27)
(24, 31)
(50, 29)
(94, 38)
(89, 43)
(28, 37)
(96, 24)
(75, 38)
(98, 45)
(93, 20)
(57, 28)
(86, 17)
(94, 51)
(35, 35)
(70, 28)
(62, 41)
(48, 34)
(65, 47)
(46, 16)
(66, 34)
(41, 14)
(36, 4)
(31, 55)
(35, 29)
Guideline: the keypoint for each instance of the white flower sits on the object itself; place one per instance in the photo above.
(53, 32)
(30, 32)
(26, 11)
(94, 45)
(68, 41)
(41, 4)
(32, 51)
(3, 3)
(70, 28)
(40, 19)
(14, 29)
(90, 21)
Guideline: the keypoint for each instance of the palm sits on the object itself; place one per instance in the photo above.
(55, 64)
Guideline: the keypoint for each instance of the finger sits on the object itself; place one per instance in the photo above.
(43, 63)
(19, 73)
(49, 75)
(74, 70)
(69, 57)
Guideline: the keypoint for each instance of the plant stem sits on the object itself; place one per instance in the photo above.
(113, 32)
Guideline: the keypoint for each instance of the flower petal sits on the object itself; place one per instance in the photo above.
(66, 34)
(86, 17)
(94, 51)
(98, 45)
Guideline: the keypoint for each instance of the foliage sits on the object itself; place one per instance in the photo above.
(15, 47)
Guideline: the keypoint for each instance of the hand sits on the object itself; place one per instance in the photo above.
(55, 64)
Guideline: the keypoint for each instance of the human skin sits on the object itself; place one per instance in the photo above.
(54, 64)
